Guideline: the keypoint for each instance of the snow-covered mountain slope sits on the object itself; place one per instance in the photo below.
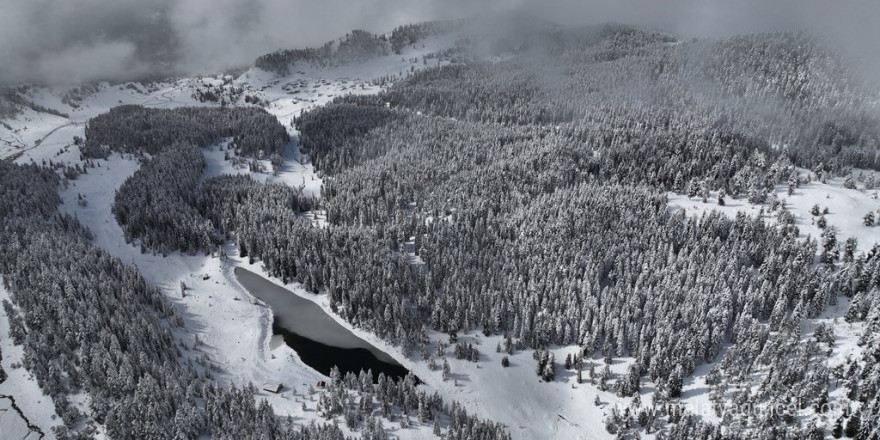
(38, 135)
(25, 411)
(221, 319)
(844, 209)
(234, 330)
(231, 326)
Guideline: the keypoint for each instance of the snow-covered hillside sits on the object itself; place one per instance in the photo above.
(229, 332)
(230, 325)
(36, 135)
(25, 411)
(844, 209)
(222, 319)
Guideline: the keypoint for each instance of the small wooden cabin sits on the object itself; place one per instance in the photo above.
(273, 387)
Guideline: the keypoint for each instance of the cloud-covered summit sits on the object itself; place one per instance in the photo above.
(69, 41)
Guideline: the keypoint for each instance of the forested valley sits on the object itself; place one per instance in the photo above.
(90, 324)
(525, 197)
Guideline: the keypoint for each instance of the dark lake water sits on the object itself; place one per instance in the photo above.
(319, 340)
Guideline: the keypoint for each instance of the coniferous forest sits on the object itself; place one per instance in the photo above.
(525, 198)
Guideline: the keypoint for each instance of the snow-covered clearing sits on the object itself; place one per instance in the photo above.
(514, 396)
(846, 209)
(36, 408)
(221, 318)
(224, 321)
(14, 426)
(232, 329)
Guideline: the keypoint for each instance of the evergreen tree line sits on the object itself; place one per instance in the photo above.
(596, 264)
(358, 45)
(353, 264)
(156, 204)
(521, 204)
(532, 191)
(861, 376)
(410, 34)
(137, 129)
(357, 397)
(91, 325)
(625, 86)
(767, 369)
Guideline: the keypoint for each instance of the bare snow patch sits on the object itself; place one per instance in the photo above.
(846, 209)
(35, 406)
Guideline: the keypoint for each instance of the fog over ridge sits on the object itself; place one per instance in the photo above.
(69, 41)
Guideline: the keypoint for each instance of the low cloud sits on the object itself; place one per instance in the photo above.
(850, 26)
(91, 61)
(69, 41)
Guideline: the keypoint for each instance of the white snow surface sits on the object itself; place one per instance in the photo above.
(37, 407)
(234, 329)
(846, 208)
(221, 318)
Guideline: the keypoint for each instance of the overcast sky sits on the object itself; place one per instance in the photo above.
(67, 41)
